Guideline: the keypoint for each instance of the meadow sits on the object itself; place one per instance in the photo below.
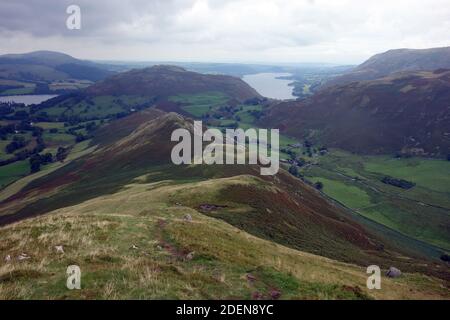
(355, 181)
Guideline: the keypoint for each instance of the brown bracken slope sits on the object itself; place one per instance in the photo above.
(282, 208)
(407, 112)
(163, 81)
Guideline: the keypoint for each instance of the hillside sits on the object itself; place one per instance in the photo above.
(401, 113)
(397, 60)
(136, 244)
(164, 81)
(144, 154)
(122, 203)
(168, 87)
(46, 72)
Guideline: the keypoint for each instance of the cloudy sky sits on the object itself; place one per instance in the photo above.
(334, 31)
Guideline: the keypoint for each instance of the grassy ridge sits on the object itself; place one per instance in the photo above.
(421, 212)
(135, 244)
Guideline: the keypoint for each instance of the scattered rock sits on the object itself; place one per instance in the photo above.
(8, 258)
(190, 256)
(250, 277)
(59, 249)
(220, 277)
(275, 294)
(23, 256)
(178, 204)
(159, 248)
(187, 217)
(393, 273)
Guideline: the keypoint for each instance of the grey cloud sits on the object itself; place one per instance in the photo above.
(260, 30)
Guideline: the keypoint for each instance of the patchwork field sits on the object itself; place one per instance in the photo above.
(421, 212)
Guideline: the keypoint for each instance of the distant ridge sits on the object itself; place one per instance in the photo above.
(397, 60)
(406, 112)
(48, 66)
(167, 80)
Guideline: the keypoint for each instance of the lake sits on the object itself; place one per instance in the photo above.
(268, 85)
(28, 99)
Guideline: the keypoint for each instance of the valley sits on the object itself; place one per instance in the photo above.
(91, 171)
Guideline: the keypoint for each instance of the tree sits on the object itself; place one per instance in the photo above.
(301, 162)
(17, 143)
(35, 163)
(318, 185)
(37, 160)
(61, 154)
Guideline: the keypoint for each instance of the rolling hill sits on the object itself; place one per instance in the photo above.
(161, 85)
(163, 81)
(406, 112)
(396, 60)
(120, 209)
(144, 153)
(49, 66)
(47, 72)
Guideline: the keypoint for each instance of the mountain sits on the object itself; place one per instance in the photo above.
(121, 208)
(168, 87)
(164, 81)
(265, 205)
(49, 66)
(397, 60)
(405, 112)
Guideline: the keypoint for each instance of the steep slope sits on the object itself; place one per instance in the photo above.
(48, 66)
(136, 244)
(280, 209)
(397, 60)
(405, 112)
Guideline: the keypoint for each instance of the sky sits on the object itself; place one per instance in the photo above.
(256, 31)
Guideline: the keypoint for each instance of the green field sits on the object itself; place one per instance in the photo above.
(13, 171)
(427, 173)
(100, 107)
(18, 91)
(199, 104)
(349, 195)
(422, 212)
(50, 125)
(61, 138)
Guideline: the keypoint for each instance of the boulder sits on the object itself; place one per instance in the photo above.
(393, 272)
(188, 217)
(190, 256)
(275, 294)
(59, 249)
(23, 256)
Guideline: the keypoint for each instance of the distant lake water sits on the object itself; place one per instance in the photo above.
(28, 99)
(268, 85)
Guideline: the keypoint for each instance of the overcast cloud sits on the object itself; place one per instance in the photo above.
(335, 31)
